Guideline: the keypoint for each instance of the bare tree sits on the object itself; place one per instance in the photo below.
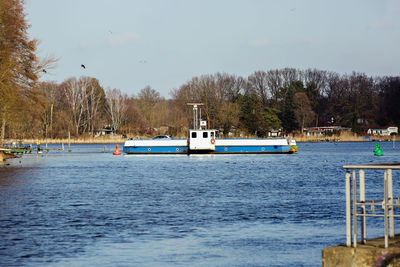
(93, 100)
(74, 92)
(275, 83)
(49, 90)
(289, 75)
(147, 100)
(258, 83)
(318, 77)
(116, 107)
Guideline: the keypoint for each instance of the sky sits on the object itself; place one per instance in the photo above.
(131, 44)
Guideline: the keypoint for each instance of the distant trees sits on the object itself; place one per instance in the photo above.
(286, 99)
(389, 90)
(293, 99)
(82, 99)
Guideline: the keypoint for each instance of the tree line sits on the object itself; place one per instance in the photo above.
(288, 99)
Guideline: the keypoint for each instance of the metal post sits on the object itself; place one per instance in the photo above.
(354, 209)
(194, 116)
(385, 207)
(199, 118)
(348, 209)
(391, 208)
(363, 213)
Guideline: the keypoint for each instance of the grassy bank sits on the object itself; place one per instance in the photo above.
(345, 137)
(89, 140)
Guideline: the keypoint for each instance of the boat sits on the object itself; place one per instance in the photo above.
(205, 141)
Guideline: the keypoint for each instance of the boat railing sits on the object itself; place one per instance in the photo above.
(361, 208)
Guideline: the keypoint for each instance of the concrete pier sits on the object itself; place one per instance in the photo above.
(373, 253)
(358, 250)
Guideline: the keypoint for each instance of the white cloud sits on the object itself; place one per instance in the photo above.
(120, 39)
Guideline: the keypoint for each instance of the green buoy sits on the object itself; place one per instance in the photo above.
(377, 150)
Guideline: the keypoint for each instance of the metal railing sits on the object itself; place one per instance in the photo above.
(369, 208)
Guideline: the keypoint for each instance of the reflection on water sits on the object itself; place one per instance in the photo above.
(88, 207)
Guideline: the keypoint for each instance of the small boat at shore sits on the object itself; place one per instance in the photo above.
(206, 141)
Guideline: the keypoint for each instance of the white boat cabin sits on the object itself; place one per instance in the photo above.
(202, 140)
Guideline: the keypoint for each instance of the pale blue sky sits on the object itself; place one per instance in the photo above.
(128, 44)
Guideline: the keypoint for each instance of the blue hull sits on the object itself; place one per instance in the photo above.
(218, 150)
(156, 150)
(251, 149)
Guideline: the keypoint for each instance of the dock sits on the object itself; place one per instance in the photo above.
(20, 149)
(358, 249)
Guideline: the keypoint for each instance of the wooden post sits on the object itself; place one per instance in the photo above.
(394, 141)
(69, 141)
(51, 120)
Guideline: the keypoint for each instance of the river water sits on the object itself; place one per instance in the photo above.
(91, 208)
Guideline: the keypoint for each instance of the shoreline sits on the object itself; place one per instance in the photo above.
(302, 139)
(118, 140)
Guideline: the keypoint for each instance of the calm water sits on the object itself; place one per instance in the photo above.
(90, 208)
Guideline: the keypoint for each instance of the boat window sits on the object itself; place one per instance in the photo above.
(212, 134)
(205, 134)
(194, 135)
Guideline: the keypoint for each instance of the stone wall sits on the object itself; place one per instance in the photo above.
(363, 255)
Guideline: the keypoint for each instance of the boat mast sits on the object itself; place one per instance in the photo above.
(196, 122)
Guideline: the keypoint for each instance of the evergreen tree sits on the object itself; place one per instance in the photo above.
(251, 114)
(287, 115)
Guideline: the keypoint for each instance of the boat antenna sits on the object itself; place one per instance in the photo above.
(195, 117)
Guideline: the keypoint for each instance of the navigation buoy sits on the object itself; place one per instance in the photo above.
(377, 150)
(116, 152)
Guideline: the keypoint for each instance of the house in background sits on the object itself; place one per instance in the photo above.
(274, 133)
(384, 131)
(326, 130)
(108, 130)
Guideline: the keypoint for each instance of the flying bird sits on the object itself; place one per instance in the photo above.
(44, 71)
(83, 66)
